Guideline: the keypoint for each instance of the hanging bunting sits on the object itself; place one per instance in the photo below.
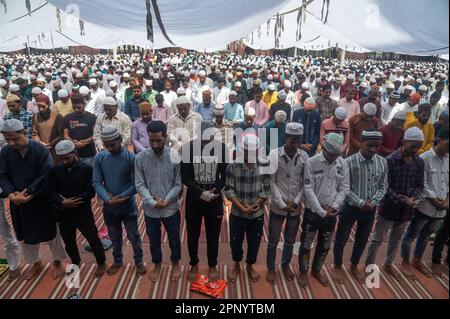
(3, 3)
(326, 8)
(58, 18)
(81, 22)
(268, 27)
(28, 5)
(149, 21)
(259, 32)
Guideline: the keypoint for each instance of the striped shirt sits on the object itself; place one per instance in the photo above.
(368, 179)
(247, 185)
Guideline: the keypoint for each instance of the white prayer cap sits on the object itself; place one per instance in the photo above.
(341, 113)
(126, 75)
(414, 134)
(36, 90)
(238, 84)
(64, 147)
(32, 77)
(270, 77)
(2, 83)
(390, 85)
(423, 88)
(370, 109)
(280, 116)
(202, 73)
(219, 110)
(419, 80)
(182, 100)
(12, 125)
(400, 115)
(156, 76)
(110, 93)
(79, 75)
(373, 81)
(108, 100)
(287, 83)
(181, 90)
(250, 142)
(271, 87)
(249, 111)
(98, 73)
(63, 93)
(363, 84)
(14, 88)
(148, 82)
(48, 74)
(305, 85)
(294, 128)
(351, 77)
(109, 77)
(232, 93)
(92, 81)
(64, 75)
(83, 90)
(409, 87)
(282, 95)
(113, 84)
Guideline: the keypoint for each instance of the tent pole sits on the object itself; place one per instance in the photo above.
(341, 58)
(295, 51)
(114, 53)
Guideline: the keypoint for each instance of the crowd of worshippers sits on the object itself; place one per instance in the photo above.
(364, 144)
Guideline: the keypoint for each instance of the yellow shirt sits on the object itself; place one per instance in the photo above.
(270, 99)
(409, 118)
(64, 108)
(428, 134)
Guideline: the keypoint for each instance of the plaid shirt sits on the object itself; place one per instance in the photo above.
(25, 117)
(247, 185)
(403, 179)
(326, 108)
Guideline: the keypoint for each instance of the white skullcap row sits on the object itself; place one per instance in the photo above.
(414, 134)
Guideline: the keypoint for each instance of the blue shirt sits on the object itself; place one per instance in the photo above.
(206, 112)
(26, 117)
(158, 177)
(233, 112)
(115, 174)
(132, 109)
(311, 128)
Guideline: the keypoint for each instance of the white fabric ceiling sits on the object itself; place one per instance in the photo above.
(417, 27)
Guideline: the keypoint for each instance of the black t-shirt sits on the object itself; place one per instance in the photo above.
(81, 127)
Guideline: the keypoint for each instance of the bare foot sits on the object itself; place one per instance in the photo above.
(407, 271)
(270, 277)
(234, 273)
(337, 274)
(390, 270)
(213, 274)
(141, 270)
(288, 273)
(419, 265)
(254, 276)
(192, 274)
(33, 271)
(113, 269)
(57, 271)
(437, 270)
(303, 280)
(13, 274)
(175, 271)
(154, 274)
(100, 271)
(321, 278)
(360, 277)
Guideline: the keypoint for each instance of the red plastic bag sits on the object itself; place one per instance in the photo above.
(212, 289)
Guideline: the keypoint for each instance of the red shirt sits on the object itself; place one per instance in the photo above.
(392, 140)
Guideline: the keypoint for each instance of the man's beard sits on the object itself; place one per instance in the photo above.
(45, 114)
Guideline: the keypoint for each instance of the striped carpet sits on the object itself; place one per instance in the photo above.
(125, 285)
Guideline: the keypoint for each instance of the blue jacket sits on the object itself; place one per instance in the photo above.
(311, 128)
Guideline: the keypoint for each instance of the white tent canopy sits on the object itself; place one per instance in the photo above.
(417, 27)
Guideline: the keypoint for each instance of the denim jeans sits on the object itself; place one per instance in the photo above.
(347, 218)
(290, 231)
(114, 225)
(440, 240)
(313, 225)
(253, 229)
(88, 161)
(172, 226)
(421, 227)
(382, 227)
